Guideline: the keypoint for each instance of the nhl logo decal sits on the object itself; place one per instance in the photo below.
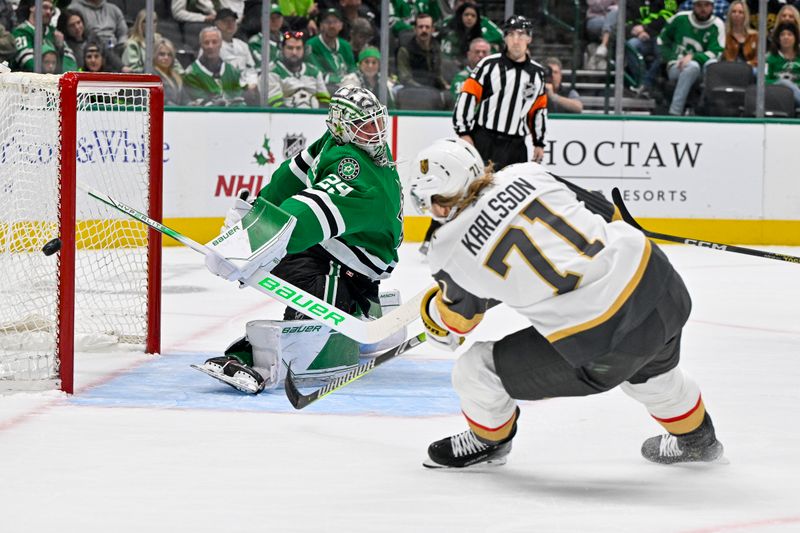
(423, 166)
(348, 169)
(293, 144)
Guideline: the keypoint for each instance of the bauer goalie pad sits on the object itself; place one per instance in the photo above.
(314, 351)
(257, 241)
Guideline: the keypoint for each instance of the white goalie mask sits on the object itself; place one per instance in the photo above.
(356, 116)
(446, 168)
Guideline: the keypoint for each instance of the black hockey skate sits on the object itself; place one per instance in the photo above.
(231, 372)
(700, 445)
(467, 449)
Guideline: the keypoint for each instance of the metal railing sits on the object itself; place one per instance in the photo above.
(576, 28)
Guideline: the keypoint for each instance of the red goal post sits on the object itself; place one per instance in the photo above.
(103, 287)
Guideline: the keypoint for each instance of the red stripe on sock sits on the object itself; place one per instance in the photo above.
(501, 426)
(684, 415)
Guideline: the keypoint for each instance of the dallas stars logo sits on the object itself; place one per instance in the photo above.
(264, 158)
(348, 169)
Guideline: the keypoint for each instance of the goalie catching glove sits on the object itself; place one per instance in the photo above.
(437, 335)
(258, 240)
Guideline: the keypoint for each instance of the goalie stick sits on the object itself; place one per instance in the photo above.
(299, 400)
(365, 332)
(627, 217)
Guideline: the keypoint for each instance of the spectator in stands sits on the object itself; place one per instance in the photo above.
(648, 18)
(293, 81)
(209, 80)
(235, 52)
(8, 18)
(353, 11)
(7, 48)
(463, 28)
(168, 70)
(362, 33)
(8, 21)
(489, 30)
(193, 16)
(741, 41)
(49, 60)
(105, 21)
(300, 14)
(783, 61)
(773, 7)
(72, 27)
(24, 35)
(403, 14)
(690, 41)
(788, 14)
(133, 56)
(478, 49)
(368, 75)
(419, 62)
(560, 99)
(601, 20)
(276, 29)
(330, 53)
(95, 58)
(237, 6)
(720, 8)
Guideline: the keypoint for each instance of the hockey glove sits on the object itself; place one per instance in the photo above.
(259, 240)
(438, 335)
(236, 213)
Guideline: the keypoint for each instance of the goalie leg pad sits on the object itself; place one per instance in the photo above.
(313, 350)
(264, 337)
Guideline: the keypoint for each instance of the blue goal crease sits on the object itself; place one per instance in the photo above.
(401, 388)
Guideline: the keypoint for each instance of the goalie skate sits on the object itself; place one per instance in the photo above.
(229, 371)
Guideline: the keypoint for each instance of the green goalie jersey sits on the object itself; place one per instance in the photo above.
(343, 201)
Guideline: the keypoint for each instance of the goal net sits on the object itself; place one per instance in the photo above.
(101, 290)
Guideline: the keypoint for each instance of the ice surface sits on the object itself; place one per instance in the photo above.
(147, 444)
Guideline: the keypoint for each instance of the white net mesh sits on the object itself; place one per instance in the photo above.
(111, 265)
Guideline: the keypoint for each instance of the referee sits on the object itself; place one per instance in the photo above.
(503, 100)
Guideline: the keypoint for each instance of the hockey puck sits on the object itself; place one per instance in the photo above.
(52, 246)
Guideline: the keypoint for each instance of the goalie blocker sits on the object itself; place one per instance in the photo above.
(256, 241)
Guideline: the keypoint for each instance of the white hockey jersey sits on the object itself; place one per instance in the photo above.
(529, 243)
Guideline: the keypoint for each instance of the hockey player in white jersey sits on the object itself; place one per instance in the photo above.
(606, 306)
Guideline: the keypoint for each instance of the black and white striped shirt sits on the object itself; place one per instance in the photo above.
(503, 96)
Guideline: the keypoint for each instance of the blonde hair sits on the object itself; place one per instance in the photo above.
(138, 31)
(474, 190)
(795, 14)
(166, 43)
(748, 28)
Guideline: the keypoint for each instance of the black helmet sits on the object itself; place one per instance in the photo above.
(517, 22)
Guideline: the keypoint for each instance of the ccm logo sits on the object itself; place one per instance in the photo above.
(704, 244)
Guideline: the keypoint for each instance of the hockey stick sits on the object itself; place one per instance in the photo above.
(299, 400)
(365, 332)
(627, 217)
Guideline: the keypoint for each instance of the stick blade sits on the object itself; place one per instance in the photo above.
(616, 195)
(297, 400)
